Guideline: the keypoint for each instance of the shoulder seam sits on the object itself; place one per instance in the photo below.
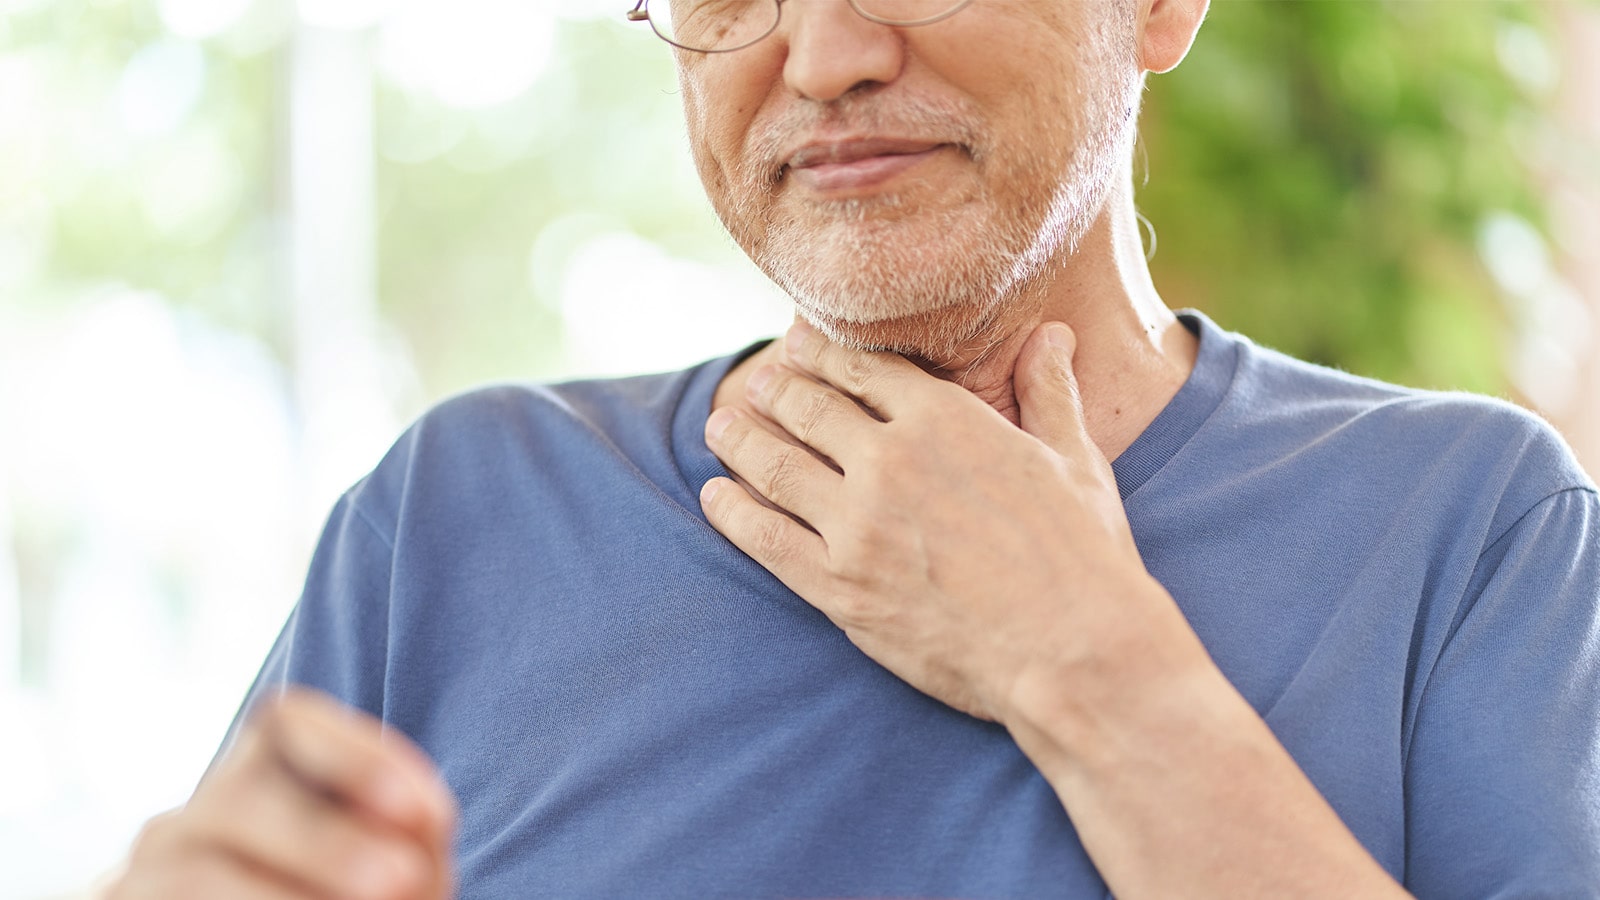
(366, 519)
(1464, 605)
(1581, 488)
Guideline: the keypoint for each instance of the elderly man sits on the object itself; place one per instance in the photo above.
(866, 611)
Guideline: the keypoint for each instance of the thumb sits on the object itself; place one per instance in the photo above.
(1050, 407)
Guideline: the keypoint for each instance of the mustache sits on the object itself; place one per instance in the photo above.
(944, 120)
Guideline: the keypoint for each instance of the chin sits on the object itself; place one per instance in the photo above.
(945, 337)
(930, 294)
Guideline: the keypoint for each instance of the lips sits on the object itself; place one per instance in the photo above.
(844, 165)
(839, 152)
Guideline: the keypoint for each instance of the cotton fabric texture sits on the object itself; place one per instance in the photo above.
(1403, 584)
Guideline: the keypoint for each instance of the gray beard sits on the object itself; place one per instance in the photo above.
(866, 265)
(871, 261)
(952, 269)
(970, 262)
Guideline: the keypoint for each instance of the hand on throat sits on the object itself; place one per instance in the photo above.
(1128, 368)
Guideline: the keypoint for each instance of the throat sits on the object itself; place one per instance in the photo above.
(987, 373)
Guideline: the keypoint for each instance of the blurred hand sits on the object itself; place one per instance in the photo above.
(314, 801)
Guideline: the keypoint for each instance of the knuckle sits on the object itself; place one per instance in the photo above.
(874, 547)
(781, 474)
(817, 410)
(816, 352)
(869, 458)
(781, 386)
(884, 460)
(771, 542)
(850, 560)
(860, 372)
(736, 438)
(852, 608)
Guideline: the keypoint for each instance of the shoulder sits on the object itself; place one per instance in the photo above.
(1327, 403)
(1322, 442)
(482, 443)
(520, 410)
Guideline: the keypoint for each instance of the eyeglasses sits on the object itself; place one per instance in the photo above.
(720, 26)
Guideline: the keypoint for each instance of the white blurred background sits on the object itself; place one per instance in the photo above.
(194, 359)
(243, 242)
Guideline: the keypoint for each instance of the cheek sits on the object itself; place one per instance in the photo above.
(717, 109)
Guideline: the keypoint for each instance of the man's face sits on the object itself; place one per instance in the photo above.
(904, 184)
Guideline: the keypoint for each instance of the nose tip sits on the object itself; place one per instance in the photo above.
(833, 51)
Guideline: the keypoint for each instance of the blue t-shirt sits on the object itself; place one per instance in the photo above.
(1403, 584)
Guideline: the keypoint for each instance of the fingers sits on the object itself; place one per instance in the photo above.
(780, 544)
(313, 801)
(276, 825)
(204, 875)
(788, 475)
(1050, 406)
(886, 382)
(815, 413)
(354, 757)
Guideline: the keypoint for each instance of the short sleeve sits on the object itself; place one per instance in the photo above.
(336, 637)
(1503, 770)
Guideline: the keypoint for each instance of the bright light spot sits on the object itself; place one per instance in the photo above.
(468, 53)
(160, 87)
(1515, 253)
(1553, 326)
(198, 19)
(342, 13)
(1526, 56)
(622, 293)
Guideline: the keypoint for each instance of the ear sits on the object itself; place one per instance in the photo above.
(1167, 30)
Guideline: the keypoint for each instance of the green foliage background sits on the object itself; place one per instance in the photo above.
(1318, 173)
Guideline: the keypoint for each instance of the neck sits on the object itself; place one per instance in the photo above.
(1133, 355)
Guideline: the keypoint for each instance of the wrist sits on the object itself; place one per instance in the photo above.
(1074, 713)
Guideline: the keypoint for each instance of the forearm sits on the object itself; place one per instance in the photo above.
(1175, 785)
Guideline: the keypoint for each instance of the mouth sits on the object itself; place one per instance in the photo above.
(833, 167)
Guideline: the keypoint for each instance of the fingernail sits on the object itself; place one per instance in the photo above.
(799, 332)
(719, 422)
(758, 380)
(709, 490)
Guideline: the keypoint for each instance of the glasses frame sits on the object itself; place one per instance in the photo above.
(641, 13)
